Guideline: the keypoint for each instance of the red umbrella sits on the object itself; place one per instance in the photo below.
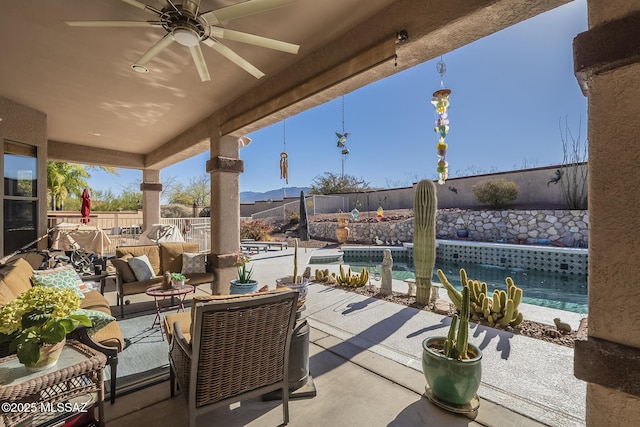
(85, 210)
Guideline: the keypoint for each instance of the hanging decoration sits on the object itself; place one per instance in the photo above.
(342, 140)
(284, 157)
(441, 102)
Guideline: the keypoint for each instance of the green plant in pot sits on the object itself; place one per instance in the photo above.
(244, 284)
(178, 279)
(37, 322)
(452, 365)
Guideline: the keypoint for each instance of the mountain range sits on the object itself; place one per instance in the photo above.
(252, 196)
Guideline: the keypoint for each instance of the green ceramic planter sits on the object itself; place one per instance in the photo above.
(452, 381)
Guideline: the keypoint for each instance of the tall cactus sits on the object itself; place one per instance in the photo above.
(457, 343)
(424, 238)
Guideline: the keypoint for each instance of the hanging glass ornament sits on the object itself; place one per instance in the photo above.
(441, 103)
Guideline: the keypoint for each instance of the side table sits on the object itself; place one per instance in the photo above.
(159, 295)
(71, 387)
(97, 278)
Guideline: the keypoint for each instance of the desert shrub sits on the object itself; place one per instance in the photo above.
(293, 217)
(176, 211)
(496, 193)
(256, 230)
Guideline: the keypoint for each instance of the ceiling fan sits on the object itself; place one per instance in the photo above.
(185, 24)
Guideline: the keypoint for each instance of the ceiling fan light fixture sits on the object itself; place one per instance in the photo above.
(139, 68)
(186, 37)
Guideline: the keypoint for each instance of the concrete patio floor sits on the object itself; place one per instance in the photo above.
(365, 361)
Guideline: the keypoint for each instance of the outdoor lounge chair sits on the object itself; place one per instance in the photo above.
(239, 350)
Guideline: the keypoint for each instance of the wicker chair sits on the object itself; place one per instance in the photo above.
(239, 349)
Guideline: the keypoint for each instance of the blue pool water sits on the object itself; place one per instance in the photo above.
(555, 290)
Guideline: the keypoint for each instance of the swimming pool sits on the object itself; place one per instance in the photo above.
(561, 291)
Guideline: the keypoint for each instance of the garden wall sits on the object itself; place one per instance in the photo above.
(536, 189)
(557, 227)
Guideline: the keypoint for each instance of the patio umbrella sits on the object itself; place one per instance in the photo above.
(85, 210)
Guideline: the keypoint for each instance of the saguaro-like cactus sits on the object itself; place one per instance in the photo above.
(424, 238)
(457, 342)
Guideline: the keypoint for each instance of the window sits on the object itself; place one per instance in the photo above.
(20, 195)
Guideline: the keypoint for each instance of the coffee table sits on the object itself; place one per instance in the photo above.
(159, 295)
(73, 386)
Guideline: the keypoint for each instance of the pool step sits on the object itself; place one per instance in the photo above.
(326, 256)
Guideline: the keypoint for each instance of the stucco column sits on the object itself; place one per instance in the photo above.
(225, 168)
(151, 188)
(607, 64)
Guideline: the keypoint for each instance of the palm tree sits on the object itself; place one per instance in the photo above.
(62, 179)
(69, 178)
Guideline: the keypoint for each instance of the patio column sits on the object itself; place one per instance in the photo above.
(151, 188)
(607, 65)
(225, 168)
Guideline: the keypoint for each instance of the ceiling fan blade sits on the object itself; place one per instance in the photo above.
(239, 36)
(201, 66)
(139, 5)
(114, 23)
(242, 9)
(155, 49)
(233, 57)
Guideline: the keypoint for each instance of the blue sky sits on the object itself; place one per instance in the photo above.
(508, 92)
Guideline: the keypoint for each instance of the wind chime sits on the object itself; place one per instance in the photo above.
(342, 140)
(441, 102)
(284, 157)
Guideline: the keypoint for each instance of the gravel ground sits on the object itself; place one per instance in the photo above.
(287, 232)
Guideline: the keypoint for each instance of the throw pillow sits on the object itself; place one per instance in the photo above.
(124, 269)
(141, 268)
(64, 277)
(98, 319)
(194, 263)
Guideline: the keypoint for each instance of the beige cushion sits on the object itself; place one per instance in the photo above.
(16, 277)
(110, 336)
(184, 319)
(93, 300)
(133, 288)
(151, 251)
(122, 267)
(171, 255)
(196, 279)
(6, 295)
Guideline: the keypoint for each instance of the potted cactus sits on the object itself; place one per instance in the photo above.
(451, 365)
(296, 282)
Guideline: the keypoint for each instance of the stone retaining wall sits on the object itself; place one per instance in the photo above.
(564, 227)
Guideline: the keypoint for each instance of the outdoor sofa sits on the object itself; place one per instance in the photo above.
(175, 257)
(16, 278)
